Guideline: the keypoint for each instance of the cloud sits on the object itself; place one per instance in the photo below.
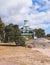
(16, 11)
(40, 20)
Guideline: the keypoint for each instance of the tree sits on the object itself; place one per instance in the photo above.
(19, 40)
(39, 32)
(2, 27)
(13, 34)
(9, 33)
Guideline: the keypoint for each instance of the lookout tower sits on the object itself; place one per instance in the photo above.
(25, 22)
(26, 27)
(27, 31)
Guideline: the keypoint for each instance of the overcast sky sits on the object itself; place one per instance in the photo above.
(37, 12)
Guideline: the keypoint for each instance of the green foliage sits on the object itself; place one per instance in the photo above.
(30, 36)
(2, 27)
(11, 33)
(39, 32)
(20, 42)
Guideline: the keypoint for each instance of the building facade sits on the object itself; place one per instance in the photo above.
(27, 31)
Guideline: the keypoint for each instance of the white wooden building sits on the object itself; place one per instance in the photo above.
(26, 30)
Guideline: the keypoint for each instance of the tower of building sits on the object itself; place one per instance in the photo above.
(26, 26)
(25, 22)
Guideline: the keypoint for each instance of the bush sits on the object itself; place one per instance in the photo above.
(29, 45)
(20, 41)
(30, 36)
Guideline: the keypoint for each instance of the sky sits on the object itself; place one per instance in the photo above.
(37, 12)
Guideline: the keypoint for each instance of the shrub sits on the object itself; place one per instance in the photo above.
(20, 41)
(29, 45)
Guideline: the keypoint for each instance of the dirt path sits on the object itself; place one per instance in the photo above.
(8, 63)
(22, 56)
(45, 51)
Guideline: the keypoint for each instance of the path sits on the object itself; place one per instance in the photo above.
(45, 51)
(8, 63)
